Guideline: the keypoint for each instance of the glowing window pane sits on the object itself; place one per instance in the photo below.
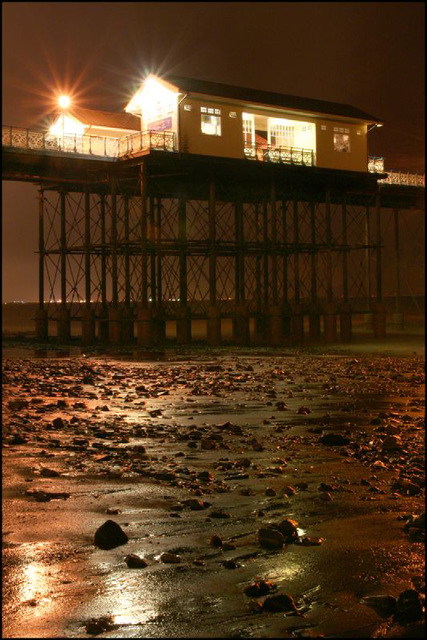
(211, 125)
(342, 142)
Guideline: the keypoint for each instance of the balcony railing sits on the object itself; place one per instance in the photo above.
(375, 165)
(286, 155)
(20, 138)
(404, 179)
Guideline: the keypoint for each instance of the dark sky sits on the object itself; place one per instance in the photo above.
(370, 55)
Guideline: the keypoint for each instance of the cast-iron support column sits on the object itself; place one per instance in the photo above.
(88, 316)
(145, 332)
(314, 315)
(128, 313)
(241, 319)
(275, 311)
(345, 311)
(297, 319)
(397, 317)
(63, 321)
(103, 315)
(41, 319)
(114, 315)
(214, 316)
(183, 325)
(379, 317)
(329, 317)
(286, 305)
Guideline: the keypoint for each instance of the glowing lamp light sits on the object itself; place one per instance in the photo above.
(64, 102)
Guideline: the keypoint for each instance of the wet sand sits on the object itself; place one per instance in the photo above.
(178, 447)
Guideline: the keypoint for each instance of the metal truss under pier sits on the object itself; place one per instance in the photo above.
(127, 247)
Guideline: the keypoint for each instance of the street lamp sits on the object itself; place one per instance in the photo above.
(64, 102)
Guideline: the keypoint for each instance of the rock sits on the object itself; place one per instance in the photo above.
(219, 514)
(215, 541)
(409, 606)
(270, 491)
(134, 561)
(18, 404)
(110, 535)
(49, 473)
(170, 558)
(279, 602)
(288, 491)
(334, 440)
(194, 504)
(255, 606)
(311, 541)
(111, 511)
(228, 546)
(270, 538)
(303, 411)
(392, 443)
(385, 606)
(288, 528)
(58, 423)
(99, 625)
(258, 589)
(230, 564)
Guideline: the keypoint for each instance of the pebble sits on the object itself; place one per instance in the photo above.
(270, 538)
(134, 561)
(279, 602)
(170, 558)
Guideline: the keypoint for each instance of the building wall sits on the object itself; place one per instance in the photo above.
(230, 143)
(328, 158)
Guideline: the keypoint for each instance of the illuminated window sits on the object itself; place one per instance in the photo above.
(282, 135)
(211, 124)
(248, 128)
(342, 142)
(233, 114)
(187, 107)
(323, 127)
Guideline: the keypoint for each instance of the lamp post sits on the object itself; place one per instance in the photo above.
(64, 103)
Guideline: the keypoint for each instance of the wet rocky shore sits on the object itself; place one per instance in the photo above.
(246, 494)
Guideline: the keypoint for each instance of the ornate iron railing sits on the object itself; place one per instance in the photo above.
(286, 155)
(20, 138)
(404, 179)
(145, 140)
(375, 164)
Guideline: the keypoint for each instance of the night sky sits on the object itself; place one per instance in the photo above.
(370, 55)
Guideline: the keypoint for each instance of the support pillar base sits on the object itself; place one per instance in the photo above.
(261, 322)
(41, 324)
(114, 325)
(379, 321)
(183, 326)
(88, 326)
(63, 324)
(128, 322)
(346, 329)
(398, 320)
(297, 325)
(330, 323)
(158, 326)
(241, 326)
(276, 333)
(214, 327)
(145, 328)
(314, 324)
(103, 325)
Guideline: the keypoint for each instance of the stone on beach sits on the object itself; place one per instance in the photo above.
(110, 535)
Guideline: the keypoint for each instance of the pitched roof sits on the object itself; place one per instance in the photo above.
(269, 98)
(109, 119)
